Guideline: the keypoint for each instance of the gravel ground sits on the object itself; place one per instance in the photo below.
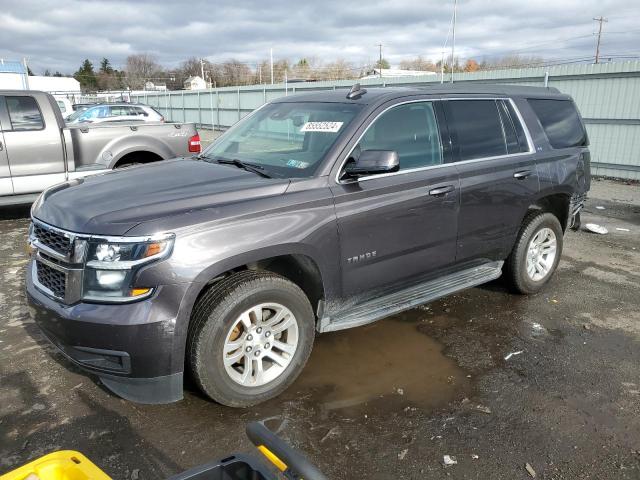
(389, 400)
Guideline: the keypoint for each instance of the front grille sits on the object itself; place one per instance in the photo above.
(53, 239)
(52, 279)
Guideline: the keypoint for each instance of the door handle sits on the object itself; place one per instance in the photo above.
(440, 191)
(522, 174)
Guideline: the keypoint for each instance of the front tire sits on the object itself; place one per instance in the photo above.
(250, 337)
(536, 253)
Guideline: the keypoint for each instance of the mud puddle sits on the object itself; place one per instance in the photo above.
(390, 359)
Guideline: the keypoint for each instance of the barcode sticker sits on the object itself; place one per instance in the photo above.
(329, 127)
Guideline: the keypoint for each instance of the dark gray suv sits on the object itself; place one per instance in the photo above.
(317, 212)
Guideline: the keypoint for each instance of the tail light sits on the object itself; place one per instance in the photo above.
(194, 144)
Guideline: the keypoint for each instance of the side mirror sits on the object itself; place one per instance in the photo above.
(373, 162)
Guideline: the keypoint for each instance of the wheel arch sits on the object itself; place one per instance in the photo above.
(556, 203)
(294, 262)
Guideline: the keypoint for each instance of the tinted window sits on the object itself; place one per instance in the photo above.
(513, 131)
(24, 113)
(410, 130)
(560, 121)
(522, 138)
(476, 126)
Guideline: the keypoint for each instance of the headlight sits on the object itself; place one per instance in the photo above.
(112, 265)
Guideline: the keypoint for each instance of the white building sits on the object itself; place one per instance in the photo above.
(59, 85)
(13, 75)
(155, 87)
(395, 73)
(195, 83)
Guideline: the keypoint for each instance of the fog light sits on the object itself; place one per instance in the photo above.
(110, 278)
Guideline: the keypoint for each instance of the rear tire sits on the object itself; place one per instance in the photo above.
(250, 318)
(536, 253)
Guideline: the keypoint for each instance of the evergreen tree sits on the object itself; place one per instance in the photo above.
(105, 66)
(86, 76)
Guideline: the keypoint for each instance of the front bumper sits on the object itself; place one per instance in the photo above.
(133, 347)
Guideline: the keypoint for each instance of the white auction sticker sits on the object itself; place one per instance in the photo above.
(330, 127)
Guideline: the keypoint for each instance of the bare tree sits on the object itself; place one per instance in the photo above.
(140, 69)
(339, 70)
(511, 61)
(419, 64)
(235, 72)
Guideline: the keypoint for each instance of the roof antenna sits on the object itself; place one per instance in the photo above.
(356, 92)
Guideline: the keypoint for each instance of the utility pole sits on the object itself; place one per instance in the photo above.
(26, 73)
(380, 59)
(453, 42)
(271, 55)
(202, 69)
(601, 20)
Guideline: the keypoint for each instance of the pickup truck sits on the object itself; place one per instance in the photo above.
(37, 150)
(317, 212)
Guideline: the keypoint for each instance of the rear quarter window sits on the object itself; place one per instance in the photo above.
(560, 122)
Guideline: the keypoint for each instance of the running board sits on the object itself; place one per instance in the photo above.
(410, 297)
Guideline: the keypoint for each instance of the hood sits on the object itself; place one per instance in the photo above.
(115, 202)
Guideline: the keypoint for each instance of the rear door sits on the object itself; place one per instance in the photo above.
(498, 176)
(33, 144)
(6, 185)
(400, 225)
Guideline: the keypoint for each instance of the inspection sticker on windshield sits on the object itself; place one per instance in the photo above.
(329, 127)
(297, 164)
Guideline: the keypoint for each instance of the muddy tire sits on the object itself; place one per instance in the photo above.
(250, 337)
(536, 253)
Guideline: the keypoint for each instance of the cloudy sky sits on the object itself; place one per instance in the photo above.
(59, 34)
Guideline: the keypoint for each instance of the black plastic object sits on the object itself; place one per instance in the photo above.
(297, 464)
(236, 467)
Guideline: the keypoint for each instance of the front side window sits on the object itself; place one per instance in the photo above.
(476, 128)
(284, 139)
(560, 121)
(410, 130)
(24, 113)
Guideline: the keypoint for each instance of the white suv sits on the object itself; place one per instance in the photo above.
(116, 112)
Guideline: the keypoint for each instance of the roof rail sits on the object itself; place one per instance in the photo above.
(356, 92)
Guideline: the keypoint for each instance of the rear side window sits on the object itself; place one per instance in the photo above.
(560, 121)
(24, 113)
(476, 126)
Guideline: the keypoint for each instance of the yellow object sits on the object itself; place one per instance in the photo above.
(267, 453)
(136, 292)
(62, 465)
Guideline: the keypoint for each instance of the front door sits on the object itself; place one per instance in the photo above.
(32, 143)
(396, 226)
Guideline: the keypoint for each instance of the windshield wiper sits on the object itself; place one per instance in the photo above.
(250, 167)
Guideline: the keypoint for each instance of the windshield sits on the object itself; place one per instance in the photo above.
(285, 139)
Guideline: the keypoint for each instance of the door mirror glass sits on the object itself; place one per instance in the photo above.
(373, 162)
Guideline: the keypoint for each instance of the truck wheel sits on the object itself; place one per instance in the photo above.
(250, 337)
(536, 253)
